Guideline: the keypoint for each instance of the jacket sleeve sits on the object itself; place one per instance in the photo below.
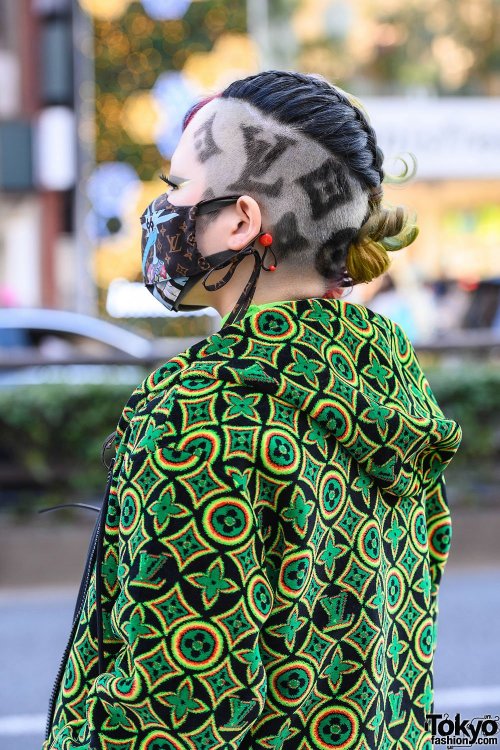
(193, 594)
(437, 511)
(439, 531)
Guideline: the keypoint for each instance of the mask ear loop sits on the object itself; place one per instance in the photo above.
(272, 267)
(264, 238)
(233, 263)
(246, 296)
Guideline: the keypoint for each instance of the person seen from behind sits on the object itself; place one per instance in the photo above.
(264, 573)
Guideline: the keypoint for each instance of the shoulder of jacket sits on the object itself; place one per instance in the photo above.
(249, 373)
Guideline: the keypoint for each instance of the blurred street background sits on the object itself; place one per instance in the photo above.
(92, 95)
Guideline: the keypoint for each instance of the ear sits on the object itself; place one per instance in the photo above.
(247, 223)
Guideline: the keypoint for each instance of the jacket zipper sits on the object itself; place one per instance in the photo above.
(79, 605)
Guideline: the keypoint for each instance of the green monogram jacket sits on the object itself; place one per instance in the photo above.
(265, 570)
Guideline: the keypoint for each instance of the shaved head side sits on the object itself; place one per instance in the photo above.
(310, 201)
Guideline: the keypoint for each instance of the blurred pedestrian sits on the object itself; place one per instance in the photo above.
(389, 301)
(264, 573)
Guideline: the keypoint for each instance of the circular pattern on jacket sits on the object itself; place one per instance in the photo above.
(160, 740)
(227, 520)
(334, 728)
(274, 324)
(440, 538)
(419, 529)
(331, 494)
(71, 678)
(395, 590)
(335, 417)
(203, 443)
(279, 451)
(260, 597)
(195, 383)
(369, 542)
(341, 365)
(291, 683)
(295, 573)
(358, 318)
(424, 640)
(130, 509)
(378, 661)
(402, 343)
(197, 645)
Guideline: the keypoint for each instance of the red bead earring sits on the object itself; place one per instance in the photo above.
(266, 239)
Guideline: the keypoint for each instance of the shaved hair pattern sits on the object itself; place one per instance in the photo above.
(306, 151)
(310, 201)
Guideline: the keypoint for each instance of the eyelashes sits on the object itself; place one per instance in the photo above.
(171, 184)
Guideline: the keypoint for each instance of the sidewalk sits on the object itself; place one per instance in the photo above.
(44, 554)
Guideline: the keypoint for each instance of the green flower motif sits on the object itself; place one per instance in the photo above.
(241, 405)
(134, 628)
(330, 553)
(335, 669)
(150, 438)
(306, 367)
(220, 344)
(164, 508)
(182, 702)
(378, 414)
(213, 581)
(298, 511)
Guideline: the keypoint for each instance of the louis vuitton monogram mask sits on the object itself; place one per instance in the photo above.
(172, 263)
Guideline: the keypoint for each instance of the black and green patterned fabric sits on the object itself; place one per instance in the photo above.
(275, 537)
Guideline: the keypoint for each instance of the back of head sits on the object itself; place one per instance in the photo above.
(308, 155)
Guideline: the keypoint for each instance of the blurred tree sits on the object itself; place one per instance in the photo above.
(131, 51)
(389, 46)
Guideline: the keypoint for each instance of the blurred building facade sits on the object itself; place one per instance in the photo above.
(92, 94)
(38, 151)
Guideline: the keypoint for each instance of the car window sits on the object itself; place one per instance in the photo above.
(54, 344)
(11, 338)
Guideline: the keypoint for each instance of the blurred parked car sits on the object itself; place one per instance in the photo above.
(40, 345)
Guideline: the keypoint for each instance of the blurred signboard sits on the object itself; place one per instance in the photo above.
(452, 137)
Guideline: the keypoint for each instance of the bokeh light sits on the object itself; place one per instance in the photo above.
(174, 94)
(141, 117)
(119, 256)
(111, 188)
(233, 56)
(165, 10)
(108, 9)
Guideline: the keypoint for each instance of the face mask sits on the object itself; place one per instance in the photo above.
(172, 263)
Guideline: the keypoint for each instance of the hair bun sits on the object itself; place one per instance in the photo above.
(388, 228)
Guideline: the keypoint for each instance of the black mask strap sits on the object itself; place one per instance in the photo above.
(228, 257)
(223, 259)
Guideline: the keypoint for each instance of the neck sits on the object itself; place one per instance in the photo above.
(272, 286)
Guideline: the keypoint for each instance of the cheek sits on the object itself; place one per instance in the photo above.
(209, 235)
